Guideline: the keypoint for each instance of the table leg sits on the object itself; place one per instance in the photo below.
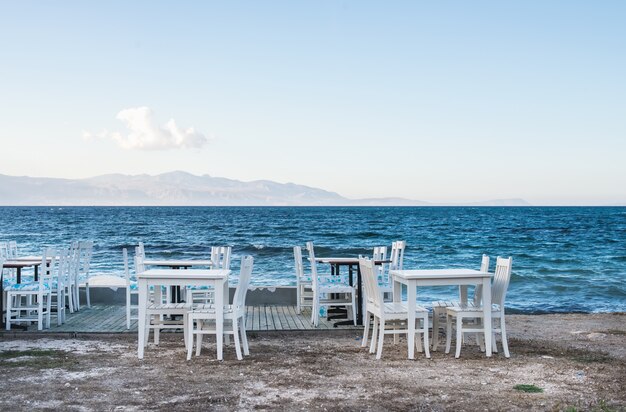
(219, 317)
(141, 321)
(359, 301)
(487, 314)
(411, 296)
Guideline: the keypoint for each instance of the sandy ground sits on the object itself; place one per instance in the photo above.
(579, 361)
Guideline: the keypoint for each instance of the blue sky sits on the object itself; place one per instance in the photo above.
(446, 101)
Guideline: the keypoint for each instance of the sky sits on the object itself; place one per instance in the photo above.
(447, 101)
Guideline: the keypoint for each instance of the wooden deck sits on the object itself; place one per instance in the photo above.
(112, 319)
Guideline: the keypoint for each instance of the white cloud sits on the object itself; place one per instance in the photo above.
(145, 134)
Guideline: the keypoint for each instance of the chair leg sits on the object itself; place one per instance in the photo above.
(381, 338)
(426, 343)
(236, 338)
(374, 335)
(40, 318)
(505, 342)
(244, 337)
(199, 337)
(366, 329)
(436, 314)
(128, 301)
(448, 333)
(48, 309)
(157, 330)
(418, 341)
(87, 294)
(189, 343)
(299, 299)
(9, 302)
(459, 335)
(494, 344)
(353, 308)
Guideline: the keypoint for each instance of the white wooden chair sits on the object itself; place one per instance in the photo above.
(329, 290)
(131, 290)
(160, 312)
(85, 250)
(304, 283)
(197, 319)
(61, 283)
(502, 276)
(32, 301)
(389, 318)
(220, 259)
(440, 306)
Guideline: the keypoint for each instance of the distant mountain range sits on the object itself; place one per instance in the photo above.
(183, 189)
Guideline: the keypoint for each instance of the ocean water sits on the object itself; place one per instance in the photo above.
(565, 259)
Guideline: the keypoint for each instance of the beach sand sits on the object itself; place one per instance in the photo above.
(578, 360)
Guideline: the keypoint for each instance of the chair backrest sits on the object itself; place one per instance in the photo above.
(139, 250)
(220, 257)
(311, 249)
(380, 253)
(139, 265)
(4, 250)
(373, 294)
(478, 290)
(239, 300)
(85, 252)
(126, 270)
(49, 266)
(65, 265)
(501, 278)
(297, 256)
(397, 255)
(12, 249)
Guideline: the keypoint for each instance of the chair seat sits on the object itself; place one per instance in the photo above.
(168, 307)
(335, 301)
(195, 287)
(401, 308)
(336, 289)
(445, 303)
(471, 308)
(210, 309)
(27, 287)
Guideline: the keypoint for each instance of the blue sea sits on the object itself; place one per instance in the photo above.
(565, 259)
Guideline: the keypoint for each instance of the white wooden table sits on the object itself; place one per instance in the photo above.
(217, 278)
(177, 264)
(441, 277)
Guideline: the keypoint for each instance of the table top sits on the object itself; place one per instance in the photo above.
(438, 273)
(177, 263)
(186, 274)
(14, 264)
(346, 260)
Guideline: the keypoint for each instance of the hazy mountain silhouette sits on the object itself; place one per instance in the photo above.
(181, 189)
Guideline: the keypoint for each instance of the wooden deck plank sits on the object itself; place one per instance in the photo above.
(285, 320)
(278, 324)
(112, 319)
(263, 323)
(300, 320)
